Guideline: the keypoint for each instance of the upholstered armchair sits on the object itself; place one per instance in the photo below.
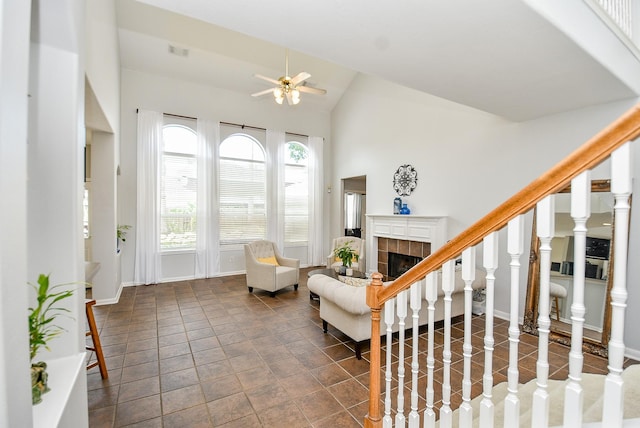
(355, 243)
(267, 269)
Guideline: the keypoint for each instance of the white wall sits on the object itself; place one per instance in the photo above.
(467, 161)
(167, 95)
(15, 390)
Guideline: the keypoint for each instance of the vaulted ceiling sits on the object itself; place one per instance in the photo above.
(499, 56)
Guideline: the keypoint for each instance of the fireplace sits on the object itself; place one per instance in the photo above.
(400, 263)
(403, 251)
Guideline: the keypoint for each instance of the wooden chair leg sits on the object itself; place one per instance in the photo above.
(95, 338)
(557, 309)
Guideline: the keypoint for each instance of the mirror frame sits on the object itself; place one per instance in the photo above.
(530, 323)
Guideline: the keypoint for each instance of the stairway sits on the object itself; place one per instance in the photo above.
(593, 386)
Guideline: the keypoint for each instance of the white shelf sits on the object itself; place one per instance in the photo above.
(64, 374)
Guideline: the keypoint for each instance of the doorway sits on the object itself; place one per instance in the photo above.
(354, 205)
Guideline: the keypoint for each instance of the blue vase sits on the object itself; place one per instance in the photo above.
(405, 209)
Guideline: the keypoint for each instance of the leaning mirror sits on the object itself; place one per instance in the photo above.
(598, 271)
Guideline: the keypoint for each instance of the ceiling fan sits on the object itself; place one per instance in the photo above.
(288, 87)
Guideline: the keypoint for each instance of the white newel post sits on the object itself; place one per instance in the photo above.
(545, 230)
(515, 239)
(468, 275)
(580, 212)
(490, 262)
(612, 409)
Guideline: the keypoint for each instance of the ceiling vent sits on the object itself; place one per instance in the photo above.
(178, 51)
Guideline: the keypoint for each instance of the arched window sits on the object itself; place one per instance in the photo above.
(243, 214)
(296, 193)
(178, 187)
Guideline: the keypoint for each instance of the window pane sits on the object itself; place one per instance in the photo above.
(296, 193)
(178, 187)
(243, 215)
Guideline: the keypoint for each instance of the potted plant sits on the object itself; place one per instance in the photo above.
(121, 231)
(347, 255)
(42, 329)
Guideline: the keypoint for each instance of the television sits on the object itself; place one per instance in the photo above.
(598, 248)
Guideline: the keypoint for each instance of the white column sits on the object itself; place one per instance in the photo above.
(448, 279)
(389, 318)
(401, 301)
(415, 303)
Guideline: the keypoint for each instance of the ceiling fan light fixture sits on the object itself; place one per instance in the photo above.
(295, 96)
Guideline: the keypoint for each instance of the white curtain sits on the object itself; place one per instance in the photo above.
(316, 256)
(275, 187)
(147, 267)
(207, 220)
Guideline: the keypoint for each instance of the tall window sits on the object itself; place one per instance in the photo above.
(178, 186)
(243, 214)
(296, 193)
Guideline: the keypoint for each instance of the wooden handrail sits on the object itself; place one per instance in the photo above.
(587, 156)
(590, 154)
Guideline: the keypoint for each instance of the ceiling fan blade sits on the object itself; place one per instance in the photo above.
(265, 92)
(268, 79)
(289, 99)
(303, 75)
(311, 90)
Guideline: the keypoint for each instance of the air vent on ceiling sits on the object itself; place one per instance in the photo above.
(178, 51)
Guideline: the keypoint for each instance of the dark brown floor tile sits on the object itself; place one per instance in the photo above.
(246, 362)
(339, 420)
(170, 351)
(349, 393)
(173, 364)
(103, 397)
(286, 367)
(330, 374)
(138, 410)
(283, 415)
(140, 371)
(300, 384)
(319, 405)
(182, 398)
(256, 377)
(224, 386)
(102, 417)
(204, 344)
(338, 352)
(178, 379)
(149, 423)
(314, 359)
(354, 367)
(208, 356)
(229, 408)
(139, 389)
(140, 357)
(267, 396)
(172, 339)
(194, 417)
(250, 421)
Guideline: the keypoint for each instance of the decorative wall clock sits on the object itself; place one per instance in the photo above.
(405, 179)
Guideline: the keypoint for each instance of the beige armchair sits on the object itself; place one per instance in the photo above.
(355, 243)
(267, 269)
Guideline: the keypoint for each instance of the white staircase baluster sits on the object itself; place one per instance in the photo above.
(515, 247)
(545, 230)
(401, 310)
(490, 263)
(448, 279)
(415, 303)
(580, 212)
(431, 295)
(612, 409)
(389, 318)
(465, 411)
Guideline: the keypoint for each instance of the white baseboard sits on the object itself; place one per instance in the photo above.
(112, 301)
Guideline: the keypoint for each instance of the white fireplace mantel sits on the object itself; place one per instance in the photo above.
(405, 227)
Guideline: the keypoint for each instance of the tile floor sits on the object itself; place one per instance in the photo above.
(206, 353)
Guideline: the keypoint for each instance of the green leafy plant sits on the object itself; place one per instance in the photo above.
(346, 254)
(42, 327)
(122, 231)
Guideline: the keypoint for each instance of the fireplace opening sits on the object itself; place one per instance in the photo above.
(400, 263)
